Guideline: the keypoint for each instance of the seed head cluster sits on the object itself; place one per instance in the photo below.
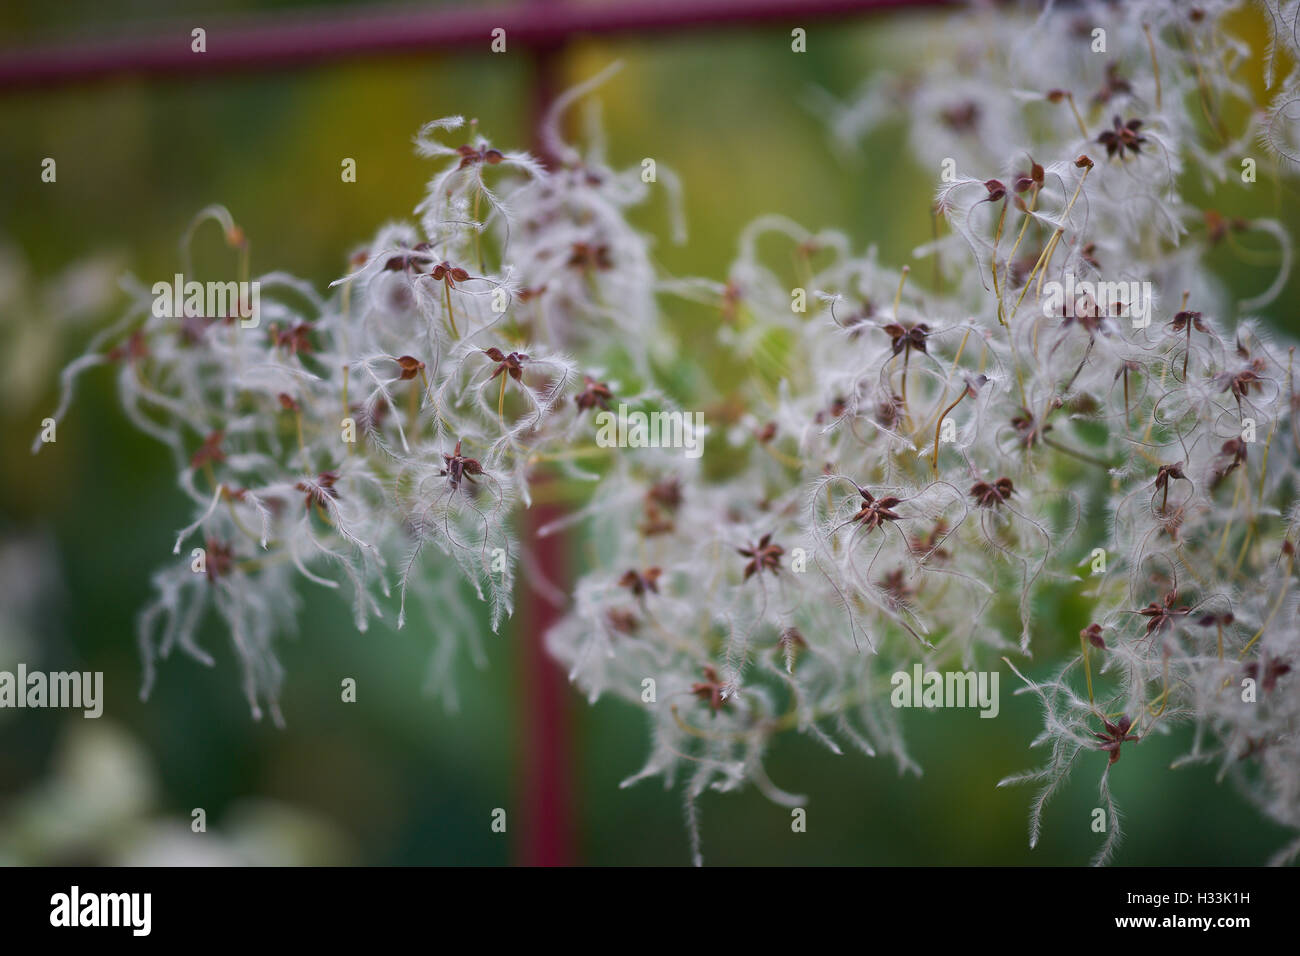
(899, 472)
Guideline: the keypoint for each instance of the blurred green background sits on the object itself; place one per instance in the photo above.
(394, 778)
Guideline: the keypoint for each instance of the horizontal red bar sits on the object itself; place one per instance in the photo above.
(274, 42)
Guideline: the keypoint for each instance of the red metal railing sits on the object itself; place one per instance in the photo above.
(277, 42)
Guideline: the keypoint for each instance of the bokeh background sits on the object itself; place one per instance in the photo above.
(395, 778)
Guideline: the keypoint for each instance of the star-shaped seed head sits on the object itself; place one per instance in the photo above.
(764, 556)
(593, 394)
(477, 155)
(875, 511)
(1116, 735)
(641, 583)
(512, 363)
(1121, 137)
(320, 490)
(990, 495)
(710, 689)
(460, 467)
(906, 336)
(1160, 616)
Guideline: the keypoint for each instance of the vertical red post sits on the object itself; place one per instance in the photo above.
(547, 837)
(547, 834)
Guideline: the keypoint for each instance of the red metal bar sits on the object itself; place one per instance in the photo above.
(272, 43)
(548, 837)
